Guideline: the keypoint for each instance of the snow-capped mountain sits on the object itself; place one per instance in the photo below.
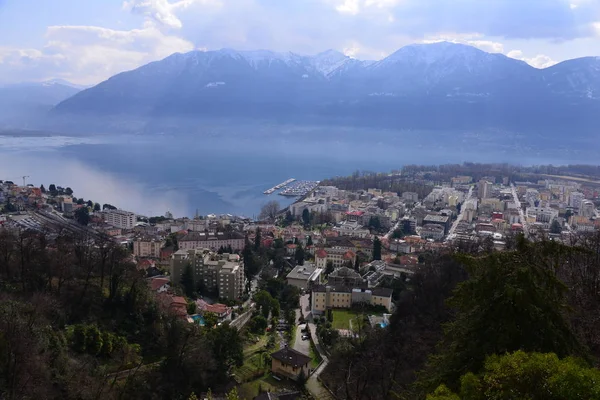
(455, 82)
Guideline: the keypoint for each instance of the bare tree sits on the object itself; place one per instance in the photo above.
(269, 211)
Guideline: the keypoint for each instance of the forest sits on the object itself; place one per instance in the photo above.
(520, 324)
(77, 321)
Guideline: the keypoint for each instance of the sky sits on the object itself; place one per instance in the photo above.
(87, 41)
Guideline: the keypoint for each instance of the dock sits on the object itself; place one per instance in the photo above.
(299, 188)
(280, 186)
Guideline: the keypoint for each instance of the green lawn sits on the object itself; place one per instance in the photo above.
(341, 319)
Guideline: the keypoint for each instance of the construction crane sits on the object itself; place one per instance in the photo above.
(24, 177)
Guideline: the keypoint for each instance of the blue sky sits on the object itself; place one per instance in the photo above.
(87, 41)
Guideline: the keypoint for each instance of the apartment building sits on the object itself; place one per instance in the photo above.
(332, 297)
(147, 247)
(120, 219)
(212, 241)
(221, 272)
(337, 256)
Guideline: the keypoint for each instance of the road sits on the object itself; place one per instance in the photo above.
(520, 209)
(303, 346)
(460, 216)
(313, 384)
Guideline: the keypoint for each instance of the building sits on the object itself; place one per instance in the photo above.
(441, 220)
(330, 297)
(290, 363)
(212, 241)
(345, 276)
(335, 255)
(159, 284)
(410, 196)
(541, 214)
(587, 209)
(305, 276)
(400, 246)
(432, 231)
(278, 396)
(120, 219)
(483, 189)
(147, 247)
(220, 272)
(575, 199)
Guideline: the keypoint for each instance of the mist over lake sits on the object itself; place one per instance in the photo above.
(226, 169)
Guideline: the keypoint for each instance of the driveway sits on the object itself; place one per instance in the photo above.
(303, 346)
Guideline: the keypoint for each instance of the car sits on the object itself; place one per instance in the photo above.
(304, 337)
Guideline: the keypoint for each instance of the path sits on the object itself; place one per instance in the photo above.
(313, 384)
(460, 216)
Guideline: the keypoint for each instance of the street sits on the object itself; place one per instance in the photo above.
(520, 209)
(460, 216)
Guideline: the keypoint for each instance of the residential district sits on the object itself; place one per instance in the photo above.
(341, 254)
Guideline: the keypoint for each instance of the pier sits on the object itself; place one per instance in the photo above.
(280, 186)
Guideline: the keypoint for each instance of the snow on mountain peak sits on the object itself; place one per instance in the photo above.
(328, 61)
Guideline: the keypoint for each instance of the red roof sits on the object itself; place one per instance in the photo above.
(355, 213)
(321, 253)
(157, 283)
(291, 246)
(179, 300)
(349, 255)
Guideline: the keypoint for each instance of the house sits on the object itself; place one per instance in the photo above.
(345, 276)
(159, 284)
(304, 276)
(175, 305)
(290, 363)
(220, 310)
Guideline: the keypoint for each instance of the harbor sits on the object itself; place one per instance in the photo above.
(299, 188)
(280, 186)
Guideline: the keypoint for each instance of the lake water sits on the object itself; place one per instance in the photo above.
(228, 173)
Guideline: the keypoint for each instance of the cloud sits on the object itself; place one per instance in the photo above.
(551, 19)
(539, 61)
(88, 54)
(163, 12)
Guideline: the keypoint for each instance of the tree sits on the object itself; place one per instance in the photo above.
(80, 201)
(376, 249)
(309, 241)
(42, 188)
(568, 214)
(52, 189)
(227, 348)
(90, 204)
(82, 216)
(97, 207)
(258, 324)
(232, 395)
(264, 302)
(299, 255)
(94, 340)
(210, 319)
(187, 280)
(511, 301)
(306, 217)
(69, 191)
(398, 233)
(523, 375)
(375, 223)
(329, 268)
(108, 207)
(192, 308)
(555, 227)
(9, 207)
(257, 240)
(269, 211)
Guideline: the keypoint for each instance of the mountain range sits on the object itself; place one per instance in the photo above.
(439, 85)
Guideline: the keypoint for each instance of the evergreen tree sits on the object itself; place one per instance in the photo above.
(511, 301)
(42, 188)
(309, 241)
(82, 216)
(52, 189)
(555, 227)
(69, 191)
(376, 249)
(299, 255)
(306, 217)
(187, 280)
(257, 240)
(97, 207)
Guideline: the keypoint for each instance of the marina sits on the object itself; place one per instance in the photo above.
(280, 186)
(299, 188)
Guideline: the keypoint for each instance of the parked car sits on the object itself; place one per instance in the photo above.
(305, 337)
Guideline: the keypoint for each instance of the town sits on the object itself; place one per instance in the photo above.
(330, 266)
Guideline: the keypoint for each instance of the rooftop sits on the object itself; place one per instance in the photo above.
(303, 272)
(291, 357)
(436, 218)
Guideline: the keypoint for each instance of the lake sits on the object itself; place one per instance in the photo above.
(227, 173)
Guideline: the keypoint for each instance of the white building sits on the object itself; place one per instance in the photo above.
(575, 199)
(587, 209)
(542, 214)
(120, 219)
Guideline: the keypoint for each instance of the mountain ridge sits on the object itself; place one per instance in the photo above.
(445, 79)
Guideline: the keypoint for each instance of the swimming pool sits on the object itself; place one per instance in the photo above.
(382, 324)
(199, 319)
